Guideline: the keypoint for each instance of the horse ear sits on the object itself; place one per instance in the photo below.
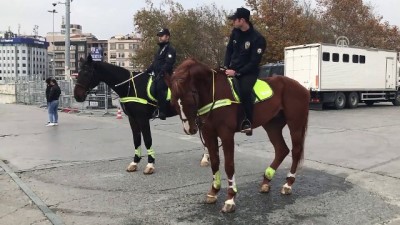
(89, 58)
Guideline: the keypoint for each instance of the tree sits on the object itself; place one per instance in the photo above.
(283, 23)
(356, 21)
(195, 33)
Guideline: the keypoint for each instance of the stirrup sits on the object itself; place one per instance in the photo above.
(156, 113)
(246, 127)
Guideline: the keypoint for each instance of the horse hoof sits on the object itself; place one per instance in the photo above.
(149, 169)
(211, 199)
(265, 188)
(132, 167)
(205, 161)
(229, 206)
(286, 189)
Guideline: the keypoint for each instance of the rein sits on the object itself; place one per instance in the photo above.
(199, 123)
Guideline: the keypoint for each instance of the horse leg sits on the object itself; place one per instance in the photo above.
(205, 160)
(228, 148)
(297, 133)
(148, 142)
(211, 142)
(137, 142)
(274, 131)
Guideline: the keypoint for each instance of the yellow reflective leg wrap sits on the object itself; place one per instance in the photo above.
(138, 151)
(151, 152)
(269, 173)
(217, 180)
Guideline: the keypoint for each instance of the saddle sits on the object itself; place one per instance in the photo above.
(261, 90)
(151, 90)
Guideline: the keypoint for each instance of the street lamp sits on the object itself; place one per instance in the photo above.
(54, 46)
(67, 4)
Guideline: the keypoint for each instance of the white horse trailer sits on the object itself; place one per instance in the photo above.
(344, 76)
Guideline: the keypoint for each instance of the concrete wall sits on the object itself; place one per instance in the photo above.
(7, 93)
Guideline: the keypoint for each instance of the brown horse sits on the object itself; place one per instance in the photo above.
(195, 86)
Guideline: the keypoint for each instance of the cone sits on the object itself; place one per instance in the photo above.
(119, 114)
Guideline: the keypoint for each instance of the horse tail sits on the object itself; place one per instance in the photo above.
(304, 134)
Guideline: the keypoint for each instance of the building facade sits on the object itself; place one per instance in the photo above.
(23, 57)
(121, 49)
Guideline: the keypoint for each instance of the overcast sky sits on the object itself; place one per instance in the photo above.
(106, 18)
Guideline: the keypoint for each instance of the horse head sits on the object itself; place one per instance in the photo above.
(87, 79)
(184, 87)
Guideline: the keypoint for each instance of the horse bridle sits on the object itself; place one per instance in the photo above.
(198, 121)
(90, 79)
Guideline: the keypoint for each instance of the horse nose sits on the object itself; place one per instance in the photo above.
(193, 130)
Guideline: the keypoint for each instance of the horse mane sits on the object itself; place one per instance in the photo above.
(113, 68)
(190, 69)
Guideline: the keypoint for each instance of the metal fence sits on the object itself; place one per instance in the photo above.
(33, 92)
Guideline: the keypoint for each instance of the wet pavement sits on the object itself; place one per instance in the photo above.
(351, 173)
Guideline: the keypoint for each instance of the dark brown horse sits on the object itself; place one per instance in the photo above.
(194, 86)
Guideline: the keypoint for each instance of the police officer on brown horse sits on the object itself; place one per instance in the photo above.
(242, 58)
(161, 66)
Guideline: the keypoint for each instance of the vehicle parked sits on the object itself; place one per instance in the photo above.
(344, 76)
(271, 69)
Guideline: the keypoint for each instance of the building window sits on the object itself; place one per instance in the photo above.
(113, 55)
(24, 71)
(112, 46)
(23, 65)
(120, 46)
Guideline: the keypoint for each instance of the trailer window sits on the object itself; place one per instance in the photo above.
(346, 58)
(335, 57)
(355, 58)
(325, 56)
(362, 59)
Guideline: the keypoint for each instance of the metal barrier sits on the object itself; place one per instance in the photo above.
(33, 92)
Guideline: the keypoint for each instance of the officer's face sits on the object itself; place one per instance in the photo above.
(163, 38)
(237, 23)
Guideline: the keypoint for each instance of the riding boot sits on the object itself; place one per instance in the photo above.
(162, 110)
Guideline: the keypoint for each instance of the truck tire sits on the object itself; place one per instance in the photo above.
(340, 100)
(352, 100)
(396, 101)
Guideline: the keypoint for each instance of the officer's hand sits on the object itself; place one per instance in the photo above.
(230, 73)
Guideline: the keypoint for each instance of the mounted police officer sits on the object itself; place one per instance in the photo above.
(161, 66)
(242, 58)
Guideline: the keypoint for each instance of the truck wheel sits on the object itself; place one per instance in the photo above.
(396, 101)
(352, 100)
(340, 100)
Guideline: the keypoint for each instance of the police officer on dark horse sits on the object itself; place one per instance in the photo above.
(162, 65)
(243, 55)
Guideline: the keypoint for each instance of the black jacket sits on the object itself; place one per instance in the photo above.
(163, 61)
(48, 88)
(55, 93)
(244, 51)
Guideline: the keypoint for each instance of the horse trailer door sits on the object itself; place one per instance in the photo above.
(390, 73)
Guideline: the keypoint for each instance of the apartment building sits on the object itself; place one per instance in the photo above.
(121, 49)
(23, 57)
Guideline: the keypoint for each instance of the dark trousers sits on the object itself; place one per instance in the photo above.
(161, 94)
(246, 83)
